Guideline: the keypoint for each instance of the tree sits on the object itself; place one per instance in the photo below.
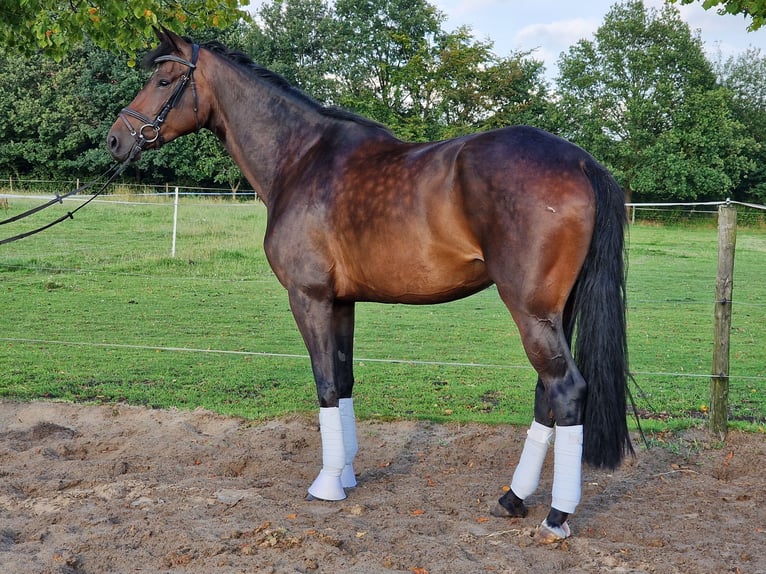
(745, 76)
(55, 117)
(58, 26)
(382, 45)
(390, 60)
(46, 121)
(297, 39)
(643, 98)
(474, 89)
(397, 65)
(756, 9)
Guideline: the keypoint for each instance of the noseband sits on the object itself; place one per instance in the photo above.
(149, 132)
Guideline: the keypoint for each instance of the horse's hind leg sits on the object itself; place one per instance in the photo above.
(527, 475)
(559, 399)
(343, 322)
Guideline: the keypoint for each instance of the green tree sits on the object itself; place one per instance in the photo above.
(45, 123)
(755, 9)
(57, 26)
(745, 76)
(55, 117)
(396, 64)
(297, 39)
(382, 45)
(391, 60)
(474, 89)
(643, 98)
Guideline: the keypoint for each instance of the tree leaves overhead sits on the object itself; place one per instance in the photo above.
(754, 9)
(55, 27)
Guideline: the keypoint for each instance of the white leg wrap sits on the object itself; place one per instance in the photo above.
(327, 486)
(527, 474)
(350, 444)
(567, 468)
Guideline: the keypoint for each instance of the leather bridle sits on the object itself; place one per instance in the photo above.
(149, 132)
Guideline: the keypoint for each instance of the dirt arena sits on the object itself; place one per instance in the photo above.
(100, 489)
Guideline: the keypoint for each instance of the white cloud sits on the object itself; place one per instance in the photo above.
(551, 39)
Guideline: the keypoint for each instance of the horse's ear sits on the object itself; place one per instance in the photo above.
(174, 39)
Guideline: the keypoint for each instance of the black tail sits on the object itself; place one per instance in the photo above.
(598, 322)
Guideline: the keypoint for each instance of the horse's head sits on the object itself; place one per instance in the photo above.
(166, 107)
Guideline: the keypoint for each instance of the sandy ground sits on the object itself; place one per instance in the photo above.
(99, 489)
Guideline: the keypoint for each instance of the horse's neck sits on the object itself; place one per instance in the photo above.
(264, 131)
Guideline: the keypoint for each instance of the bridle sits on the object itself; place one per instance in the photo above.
(150, 128)
(149, 132)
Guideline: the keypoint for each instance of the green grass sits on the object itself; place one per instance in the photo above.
(91, 308)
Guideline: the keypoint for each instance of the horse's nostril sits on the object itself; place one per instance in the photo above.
(113, 142)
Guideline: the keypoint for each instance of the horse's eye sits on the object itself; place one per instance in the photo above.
(163, 83)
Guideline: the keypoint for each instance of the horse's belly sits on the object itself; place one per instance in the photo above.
(413, 282)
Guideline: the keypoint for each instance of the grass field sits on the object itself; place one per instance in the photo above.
(95, 309)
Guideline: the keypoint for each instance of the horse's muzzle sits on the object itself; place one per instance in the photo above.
(120, 145)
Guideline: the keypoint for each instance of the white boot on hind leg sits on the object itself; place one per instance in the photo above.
(567, 481)
(567, 468)
(526, 477)
(328, 486)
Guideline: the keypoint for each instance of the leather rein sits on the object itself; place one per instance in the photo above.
(149, 127)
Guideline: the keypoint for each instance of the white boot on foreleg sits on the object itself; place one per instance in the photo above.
(350, 444)
(327, 485)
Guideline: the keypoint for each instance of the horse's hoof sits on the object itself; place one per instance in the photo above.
(501, 511)
(509, 506)
(549, 534)
(326, 487)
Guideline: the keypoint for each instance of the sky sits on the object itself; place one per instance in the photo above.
(550, 27)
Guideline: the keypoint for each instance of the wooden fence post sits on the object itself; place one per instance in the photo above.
(719, 382)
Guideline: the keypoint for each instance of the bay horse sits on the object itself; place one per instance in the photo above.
(357, 215)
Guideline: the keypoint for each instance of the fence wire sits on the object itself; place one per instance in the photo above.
(164, 199)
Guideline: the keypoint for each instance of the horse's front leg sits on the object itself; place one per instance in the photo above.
(327, 328)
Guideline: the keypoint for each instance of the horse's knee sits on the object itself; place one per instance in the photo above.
(328, 395)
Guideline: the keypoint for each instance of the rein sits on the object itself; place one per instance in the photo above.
(141, 141)
(112, 173)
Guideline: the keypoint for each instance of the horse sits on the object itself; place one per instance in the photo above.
(355, 214)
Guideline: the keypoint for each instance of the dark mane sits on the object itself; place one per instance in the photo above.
(245, 62)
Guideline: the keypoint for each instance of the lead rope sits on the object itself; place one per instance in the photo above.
(115, 170)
